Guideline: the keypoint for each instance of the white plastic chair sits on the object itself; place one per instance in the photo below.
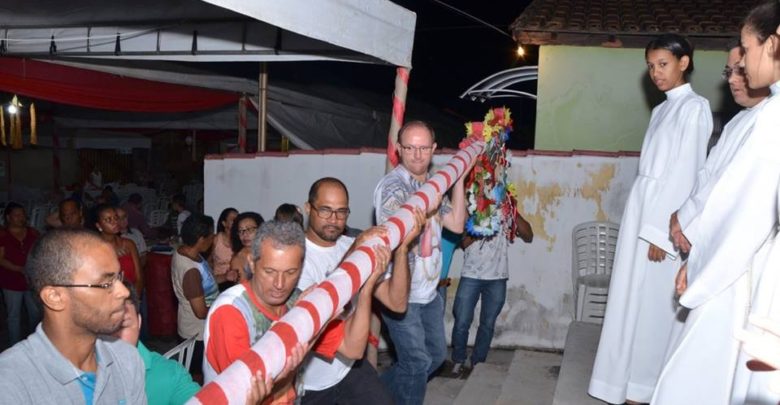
(157, 218)
(38, 216)
(593, 253)
(183, 352)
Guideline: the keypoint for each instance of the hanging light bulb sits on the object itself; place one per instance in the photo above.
(520, 51)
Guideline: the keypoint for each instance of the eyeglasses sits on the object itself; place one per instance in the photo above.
(727, 72)
(118, 277)
(411, 149)
(326, 212)
(247, 231)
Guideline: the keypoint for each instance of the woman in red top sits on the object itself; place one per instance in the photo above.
(15, 244)
(127, 253)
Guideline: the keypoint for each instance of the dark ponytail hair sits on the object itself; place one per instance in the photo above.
(763, 20)
(677, 45)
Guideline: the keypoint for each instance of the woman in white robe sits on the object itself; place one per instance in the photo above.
(761, 41)
(641, 309)
(700, 367)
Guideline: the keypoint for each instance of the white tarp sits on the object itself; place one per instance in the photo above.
(375, 31)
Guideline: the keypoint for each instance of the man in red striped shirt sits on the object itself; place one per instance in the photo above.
(242, 314)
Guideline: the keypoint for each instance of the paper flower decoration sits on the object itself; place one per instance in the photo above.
(491, 199)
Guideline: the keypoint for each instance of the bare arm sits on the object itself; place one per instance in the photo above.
(524, 230)
(456, 218)
(193, 292)
(393, 293)
(7, 264)
(356, 327)
(139, 275)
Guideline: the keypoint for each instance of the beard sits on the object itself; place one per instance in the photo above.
(96, 320)
(329, 233)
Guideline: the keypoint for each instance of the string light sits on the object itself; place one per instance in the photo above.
(520, 51)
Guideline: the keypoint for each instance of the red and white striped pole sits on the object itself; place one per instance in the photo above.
(268, 355)
(397, 119)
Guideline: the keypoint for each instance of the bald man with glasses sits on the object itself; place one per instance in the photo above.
(68, 359)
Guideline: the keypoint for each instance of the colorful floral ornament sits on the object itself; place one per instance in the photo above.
(491, 199)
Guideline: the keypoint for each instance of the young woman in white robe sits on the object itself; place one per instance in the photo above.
(761, 42)
(701, 363)
(641, 308)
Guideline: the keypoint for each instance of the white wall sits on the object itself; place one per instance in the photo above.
(557, 192)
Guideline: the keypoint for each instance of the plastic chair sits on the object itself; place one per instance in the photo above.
(38, 216)
(593, 253)
(183, 352)
(158, 218)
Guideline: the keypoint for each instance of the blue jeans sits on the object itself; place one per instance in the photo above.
(493, 294)
(420, 348)
(13, 304)
(442, 291)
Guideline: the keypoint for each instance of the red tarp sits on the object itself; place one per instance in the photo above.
(87, 88)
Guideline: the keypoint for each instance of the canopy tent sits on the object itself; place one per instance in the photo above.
(134, 39)
(375, 31)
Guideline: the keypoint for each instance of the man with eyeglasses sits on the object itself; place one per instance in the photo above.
(704, 353)
(68, 359)
(418, 334)
(342, 380)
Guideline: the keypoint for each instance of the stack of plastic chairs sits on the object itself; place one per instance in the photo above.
(593, 253)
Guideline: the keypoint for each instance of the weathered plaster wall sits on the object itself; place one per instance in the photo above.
(557, 192)
(594, 98)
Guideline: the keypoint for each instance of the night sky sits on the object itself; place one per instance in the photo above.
(451, 53)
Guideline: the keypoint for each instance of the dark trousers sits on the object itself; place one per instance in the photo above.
(360, 386)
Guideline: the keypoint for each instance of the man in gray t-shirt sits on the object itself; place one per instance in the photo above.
(484, 275)
(68, 359)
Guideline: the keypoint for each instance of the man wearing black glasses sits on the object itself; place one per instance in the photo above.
(342, 380)
(76, 275)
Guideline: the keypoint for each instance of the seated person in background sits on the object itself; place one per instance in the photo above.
(167, 382)
(193, 283)
(69, 214)
(77, 277)
(109, 196)
(107, 223)
(241, 236)
(180, 212)
(289, 212)
(135, 215)
(243, 313)
(222, 252)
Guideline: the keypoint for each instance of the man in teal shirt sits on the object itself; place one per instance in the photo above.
(167, 382)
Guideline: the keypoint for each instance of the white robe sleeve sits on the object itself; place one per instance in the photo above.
(684, 158)
(739, 215)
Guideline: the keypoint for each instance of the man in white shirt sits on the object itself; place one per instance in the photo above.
(342, 380)
(418, 334)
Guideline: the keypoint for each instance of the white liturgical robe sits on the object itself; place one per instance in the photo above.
(700, 365)
(641, 308)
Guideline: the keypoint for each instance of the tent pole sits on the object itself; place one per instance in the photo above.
(262, 133)
(396, 121)
(242, 124)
